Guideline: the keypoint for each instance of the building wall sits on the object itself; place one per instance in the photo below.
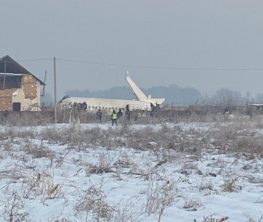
(28, 95)
(6, 99)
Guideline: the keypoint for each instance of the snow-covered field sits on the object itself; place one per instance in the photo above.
(175, 172)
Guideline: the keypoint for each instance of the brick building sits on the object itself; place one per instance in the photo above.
(19, 89)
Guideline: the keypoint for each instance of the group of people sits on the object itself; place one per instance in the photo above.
(127, 114)
(114, 115)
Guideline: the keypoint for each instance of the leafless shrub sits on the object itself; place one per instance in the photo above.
(159, 198)
(12, 133)
(41, 185)
(217, 163)
(3, 136)
(103, 166)
(189, 167)
(94, 203)
(230, 185)
(249, 144)
(192, 205)
(14, 209)
(26, 118)
(255, 179)
(13, 173)
(7, 146)
(123, 162)
(238, 136)
(137, 139)
(147, 138)
(78, 138)
(124, 215)
(212, 218)
(25, 134)
(38, 151)
(52, 134)
(229, 137)
(124, 212)
(60, 159)
(64, 219)
(206, 185)
(255, 220)
(258, 122)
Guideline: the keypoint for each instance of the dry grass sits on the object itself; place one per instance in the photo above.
(192, 205)
(37, 151)
(14, 209)
(230, 185)
(94, 203)
(159, 197)
(212, 218)
(61, 220)
(103, 166)
(256, 220)
(41, 185)
(167, 145)
(235, 136)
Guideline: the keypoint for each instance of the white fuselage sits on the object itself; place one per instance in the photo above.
(94, 104)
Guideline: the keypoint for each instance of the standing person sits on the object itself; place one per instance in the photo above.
(114, 118)
(128, 113)
(153, 110)
(119, 114)
(99, 115)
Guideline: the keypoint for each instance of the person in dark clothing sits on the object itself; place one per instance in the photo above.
(114, 118)
(99, 115)
(128, 113)
(119, 114)
(152, 110)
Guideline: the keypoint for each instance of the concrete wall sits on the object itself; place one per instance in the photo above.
(28, 95)
(6, 99)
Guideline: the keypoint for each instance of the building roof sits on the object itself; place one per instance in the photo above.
(10, 74)
(10, 66)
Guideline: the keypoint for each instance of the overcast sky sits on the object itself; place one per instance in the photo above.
(160, 42)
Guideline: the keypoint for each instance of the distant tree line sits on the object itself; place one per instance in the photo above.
(227, 97)
(176, 95)
(172, 93)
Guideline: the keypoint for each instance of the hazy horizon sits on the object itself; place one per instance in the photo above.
(203, 44)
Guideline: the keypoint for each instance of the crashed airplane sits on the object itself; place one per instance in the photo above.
(92, 104)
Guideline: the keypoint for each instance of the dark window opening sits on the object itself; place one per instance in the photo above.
(10, 82)
(16, 107)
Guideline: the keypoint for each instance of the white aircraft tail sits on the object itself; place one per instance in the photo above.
(140, 95)
(136, 89)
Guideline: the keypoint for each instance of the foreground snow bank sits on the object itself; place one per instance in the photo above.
(44, 179)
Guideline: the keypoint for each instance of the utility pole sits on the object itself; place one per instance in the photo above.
(55, 88)
(45, 79)
(4, 74)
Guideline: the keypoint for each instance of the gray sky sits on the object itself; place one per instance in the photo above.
(151, 34)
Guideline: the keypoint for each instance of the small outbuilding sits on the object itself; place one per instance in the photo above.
(20, 90)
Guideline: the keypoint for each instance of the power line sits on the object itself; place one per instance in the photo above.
(23, 60)
(35, 60)
(162, 67)
(215, 68)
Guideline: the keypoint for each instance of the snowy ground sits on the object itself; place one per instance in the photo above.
(47, 180)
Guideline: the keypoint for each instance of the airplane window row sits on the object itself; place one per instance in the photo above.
(115, 108)
(104, 108)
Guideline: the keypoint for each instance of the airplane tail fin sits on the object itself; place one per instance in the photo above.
(140, 95)
(136, 89)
